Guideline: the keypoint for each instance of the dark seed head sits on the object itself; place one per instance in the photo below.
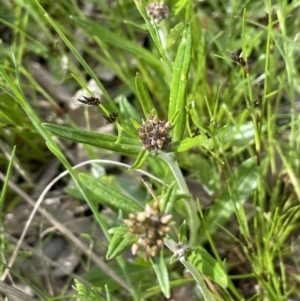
(154, 134)
(90, 100)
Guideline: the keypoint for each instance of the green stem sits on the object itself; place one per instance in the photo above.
(192, 218)
(194, 272)
(193, 222)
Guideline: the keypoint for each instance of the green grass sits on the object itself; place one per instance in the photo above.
(243, 243)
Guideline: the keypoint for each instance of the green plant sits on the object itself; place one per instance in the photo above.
(224, 135)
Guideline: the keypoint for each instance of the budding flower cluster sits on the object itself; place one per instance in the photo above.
(90, 100)
(181, 250)
(111, 118)
(236, 58)
(158, 11)
(154, 134)
(150, 226)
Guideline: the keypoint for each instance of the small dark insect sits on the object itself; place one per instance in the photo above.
(257, 101)
(208, 134)
(90, 100)
(237, 59)
(111, 118)
(144, 178)
(195, 132)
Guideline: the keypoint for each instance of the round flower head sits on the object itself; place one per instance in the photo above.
(150, 226)
(158, 11)
(154, 134)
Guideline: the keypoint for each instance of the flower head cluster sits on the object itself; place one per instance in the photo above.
(154, 134)
(150, 226)
(90, 100)
(111, 118)
(158, 11)
(236, 58)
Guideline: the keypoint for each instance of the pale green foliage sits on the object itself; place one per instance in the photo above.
(85, 293)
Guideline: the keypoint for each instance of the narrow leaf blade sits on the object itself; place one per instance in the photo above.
(161, 271)
(143, 94)
(140, 160)
(119, 243)
(207, 265)
(188, 143)
(109, 195)
(126, 146)
(179, 82)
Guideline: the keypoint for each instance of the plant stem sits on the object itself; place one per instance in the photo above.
(193, 222)
(192, 218)
(194, 272)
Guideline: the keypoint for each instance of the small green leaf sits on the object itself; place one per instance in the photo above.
(169, 198)
(188, 143)
(207, 265)
(87, 293)
(142, 27)
(109, 195)
(119, 243)
(182, 233)
(127, 111)
(140, 160)
(74, 192)
(144, 96)
(121, 230)
(161, 272)
(135, 123)
(179, 82)
(174, 118)
(126, 146)
(174, 35)
(180, 5)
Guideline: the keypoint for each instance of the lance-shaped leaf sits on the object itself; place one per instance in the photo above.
(126, 146)
(119, 243)
(161, 271)
(188, 143)
(140, 160)
(207, 265)
(144, 96)
(182, 237)
(85, 292)
(167, 201)
(109, 195)
(179, 83)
